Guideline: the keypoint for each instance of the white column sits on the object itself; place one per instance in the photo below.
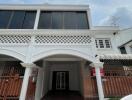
(97, 67)
(37, 19)
(25, 83)
(39, 84)
(27, 74)
(99, 83)
(28, 63)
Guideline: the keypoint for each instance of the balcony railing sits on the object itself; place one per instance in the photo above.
(19, 36)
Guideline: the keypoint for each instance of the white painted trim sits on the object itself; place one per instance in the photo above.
(89, 18)
(37, 19)
(44, 7)
(28, 65)
(12, 53)
(39, 84)
(99, 83)
(97, 64)
(25, 83)
(62, 51)
(30, 32)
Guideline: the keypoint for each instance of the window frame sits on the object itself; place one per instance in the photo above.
(104, 44)
(63, 20)
(11, 20)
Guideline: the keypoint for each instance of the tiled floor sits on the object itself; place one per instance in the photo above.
(70, 95)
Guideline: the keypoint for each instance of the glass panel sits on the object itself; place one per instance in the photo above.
(70, 21)
(29, 20)
(101, 44)
(107, 43)
(82, 22)
(4, 18)
(58, 80)
(96, 43)
(123, 50)
(57, 20)
(63, 20)
(45, 20)
(17, 20)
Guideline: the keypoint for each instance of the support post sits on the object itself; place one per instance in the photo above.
(28, 63)
(25, 83)
(27, 74)
(97, 66)
(39, 88)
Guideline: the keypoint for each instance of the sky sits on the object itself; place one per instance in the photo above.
(103, 12)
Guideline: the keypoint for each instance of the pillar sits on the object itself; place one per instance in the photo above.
(97, 66)
(27, 74)
(39, 84)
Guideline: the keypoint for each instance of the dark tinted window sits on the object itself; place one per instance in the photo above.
(123, 50)
(45, 20)
(63, 20)
(17, 19)
(57, 20)
(29, 20)
(70, 21)
(4, 18)
(82, 22)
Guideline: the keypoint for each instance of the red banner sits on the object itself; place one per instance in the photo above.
(101, 72)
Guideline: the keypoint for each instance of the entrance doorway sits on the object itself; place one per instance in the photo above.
(60, 80)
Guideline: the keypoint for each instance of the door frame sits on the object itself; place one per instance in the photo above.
(54, 73)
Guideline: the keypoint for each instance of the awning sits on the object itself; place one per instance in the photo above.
(116, 57)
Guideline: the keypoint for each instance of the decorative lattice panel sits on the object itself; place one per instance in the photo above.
(60, 39)
(14, 39)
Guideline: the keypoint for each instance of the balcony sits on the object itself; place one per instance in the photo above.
(23, 37)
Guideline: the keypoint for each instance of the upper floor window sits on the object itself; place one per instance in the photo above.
(103, 43)
(17, 19)
(123, 50)
(63, 20)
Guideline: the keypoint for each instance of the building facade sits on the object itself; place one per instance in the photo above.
(47, 48)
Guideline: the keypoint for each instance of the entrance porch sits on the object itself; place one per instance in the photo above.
(64, 76)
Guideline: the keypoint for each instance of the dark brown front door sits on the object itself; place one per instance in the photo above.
(60, 80)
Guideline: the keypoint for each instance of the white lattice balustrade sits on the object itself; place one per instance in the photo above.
(63, 39)
(15, 39)
(15, 36)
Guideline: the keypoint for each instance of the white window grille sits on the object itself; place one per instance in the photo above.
(103, 43)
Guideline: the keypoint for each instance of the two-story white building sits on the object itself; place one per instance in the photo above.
(51, 51)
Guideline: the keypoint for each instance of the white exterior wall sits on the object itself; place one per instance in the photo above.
(113, 49)
(124, 36)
